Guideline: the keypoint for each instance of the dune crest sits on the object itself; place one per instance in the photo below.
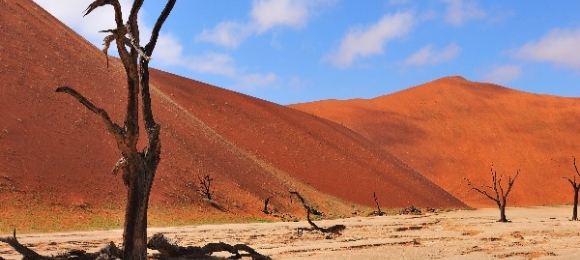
(452, 128)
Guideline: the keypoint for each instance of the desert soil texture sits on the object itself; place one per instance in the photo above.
(534, 233)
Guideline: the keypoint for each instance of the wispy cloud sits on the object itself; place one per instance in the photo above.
(428, 56)
(270, 13)
(88, 26)
(503, 74)
(558, 46)
(253, 81)
(460, 11)
(228, 34)
(362, 42)
(264, 16)
(211, 63)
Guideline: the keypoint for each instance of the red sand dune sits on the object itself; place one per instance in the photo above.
(52, 146)
(452, 128)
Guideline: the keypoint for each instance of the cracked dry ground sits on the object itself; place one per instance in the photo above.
(534, 233)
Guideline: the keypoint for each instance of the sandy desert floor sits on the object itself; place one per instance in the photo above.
(534, 233)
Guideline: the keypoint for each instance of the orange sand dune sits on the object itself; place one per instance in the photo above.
(452, 128)
(54, 149)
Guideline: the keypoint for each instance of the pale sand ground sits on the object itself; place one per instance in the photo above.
(534, 233)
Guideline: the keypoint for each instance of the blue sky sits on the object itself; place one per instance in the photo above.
(292, 51)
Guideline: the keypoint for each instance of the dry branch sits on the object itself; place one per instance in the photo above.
(169, 249)
(21, 249)
(336, 229)
(109, 252)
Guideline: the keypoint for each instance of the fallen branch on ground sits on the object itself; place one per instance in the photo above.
(168, 249)
(336, 229)
(109, 252)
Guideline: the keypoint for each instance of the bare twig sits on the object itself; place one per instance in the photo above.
(379, 212)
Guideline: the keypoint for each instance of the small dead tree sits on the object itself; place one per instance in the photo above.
(576, 187)
(500, 194)
(204, 188)
(379, 212)
(336, 229)
(266, 201)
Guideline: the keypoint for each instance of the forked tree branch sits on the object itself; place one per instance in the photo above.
(511, 182)
(132, 20)
(160, 21)
(496, 182)
(473, 187)
(573, 182)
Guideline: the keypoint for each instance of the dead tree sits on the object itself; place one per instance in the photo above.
(137, 166)
(379, 212)
(204, 188)
(576, 187)
(266, 201)
(336, 229)
(500, 194)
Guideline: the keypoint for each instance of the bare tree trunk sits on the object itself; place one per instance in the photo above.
(575, 208)
(135, 233)
(502, 216)
(266, 201)
(379, 212)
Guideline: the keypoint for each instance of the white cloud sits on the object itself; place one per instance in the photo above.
(270, 13)
(168, 50)
(250, 82)
(559, 46)
(212, 63)
(264, 16)
(426, 55)
(228, 34)
(460, 11)
(503, 74)
(363, 42)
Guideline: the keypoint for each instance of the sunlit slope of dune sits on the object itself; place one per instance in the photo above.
(452, 128)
